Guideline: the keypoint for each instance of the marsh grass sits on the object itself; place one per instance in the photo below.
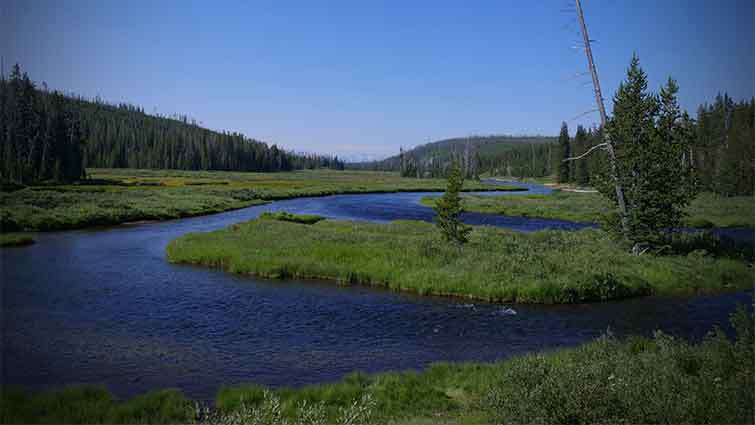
(15, 239)
(120, 196)
(661, 379)
(705, 211)
(496, 265)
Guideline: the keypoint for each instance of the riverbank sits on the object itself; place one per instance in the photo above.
(15, 239)
(707, 210)
(117, 196)
(497, 265)
(635, 380)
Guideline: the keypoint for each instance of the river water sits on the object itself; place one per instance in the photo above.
(105, 307)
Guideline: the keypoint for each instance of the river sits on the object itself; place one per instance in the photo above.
(103, 306)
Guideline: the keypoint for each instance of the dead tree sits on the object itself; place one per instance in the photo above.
(607, 144)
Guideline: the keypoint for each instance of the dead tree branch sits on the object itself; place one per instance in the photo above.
(588, 152)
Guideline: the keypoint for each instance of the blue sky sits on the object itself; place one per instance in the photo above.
(365, 77)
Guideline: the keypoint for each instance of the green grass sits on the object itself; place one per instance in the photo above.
(497, 264)
(707, 210)
(15, 239)
(124, 195)
(610, 380)
(93, 404)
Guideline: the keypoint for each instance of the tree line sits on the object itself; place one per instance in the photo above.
(720, 149)
(48, 136)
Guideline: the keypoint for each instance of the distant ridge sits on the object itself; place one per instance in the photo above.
(487, 147)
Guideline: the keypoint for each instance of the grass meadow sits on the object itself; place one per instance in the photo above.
(114, 196)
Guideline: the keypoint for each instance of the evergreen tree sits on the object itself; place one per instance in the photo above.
(651, 142)
(43, 137)
(581, 171)
(448, 208)
(565, 150)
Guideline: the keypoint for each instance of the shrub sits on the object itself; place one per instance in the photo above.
(293, 218)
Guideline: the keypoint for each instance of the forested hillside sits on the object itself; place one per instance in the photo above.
(722, 152)
(511, 155)
(49, 136)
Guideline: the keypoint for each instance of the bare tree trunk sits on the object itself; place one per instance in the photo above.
(603, 120)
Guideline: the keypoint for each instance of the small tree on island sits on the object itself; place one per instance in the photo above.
(448, 208)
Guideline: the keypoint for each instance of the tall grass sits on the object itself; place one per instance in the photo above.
(496, 265)
(93, 404)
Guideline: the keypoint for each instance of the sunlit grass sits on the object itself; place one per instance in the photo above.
(496, 265)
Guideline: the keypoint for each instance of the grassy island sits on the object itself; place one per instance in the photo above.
(496, 265)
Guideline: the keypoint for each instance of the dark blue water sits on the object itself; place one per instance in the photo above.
(103, 306)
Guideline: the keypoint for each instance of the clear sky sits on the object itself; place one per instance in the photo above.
(365, 77)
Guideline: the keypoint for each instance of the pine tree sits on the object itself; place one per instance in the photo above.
(448, 208)
(651, 142)
(565, 150)
(581, 173)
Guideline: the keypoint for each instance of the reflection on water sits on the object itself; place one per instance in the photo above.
(105, 307)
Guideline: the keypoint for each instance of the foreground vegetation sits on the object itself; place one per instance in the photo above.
(634, 380)
(124, 195)
(706, 210)
(15, 239)
(495, 265)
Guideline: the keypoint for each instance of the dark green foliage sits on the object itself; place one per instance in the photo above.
(48, 136)
(498, 155)
(123, 136)
(724, 146)
(40, 137)
(448, 209)
(581, 173)
(293, 218)
(564, 167)
(659, 380)
(651, 138)
(706, 244)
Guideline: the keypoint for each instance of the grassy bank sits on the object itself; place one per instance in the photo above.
(497, 264)
(707, 210)
(120, 196)
(635, 380)
(15, 239)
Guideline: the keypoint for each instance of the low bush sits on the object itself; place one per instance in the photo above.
(293, 218)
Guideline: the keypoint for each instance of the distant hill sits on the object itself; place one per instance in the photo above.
(49, 136)
(511, 152)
